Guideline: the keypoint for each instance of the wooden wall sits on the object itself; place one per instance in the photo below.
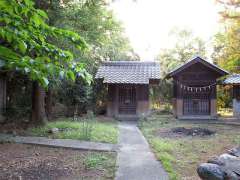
(142, 99)
(193, 76)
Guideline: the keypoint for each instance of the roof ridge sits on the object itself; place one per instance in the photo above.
(125, 63)
(198, 59)
(134, 72)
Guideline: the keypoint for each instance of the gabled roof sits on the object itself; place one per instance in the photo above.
(128, 72)
(232, 79)
(194, 60)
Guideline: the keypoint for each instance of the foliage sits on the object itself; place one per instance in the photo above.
(224, 97)
(68, 129)
(99, 27)
(87, 126)
(25, 44)
(227, 42)
(186, 46)
(104, 34)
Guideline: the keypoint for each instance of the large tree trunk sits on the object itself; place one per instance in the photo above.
(2, 97)
(38, 104)
(49, 103)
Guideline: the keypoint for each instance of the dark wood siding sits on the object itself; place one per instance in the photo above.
(195, 101)
(127, 99)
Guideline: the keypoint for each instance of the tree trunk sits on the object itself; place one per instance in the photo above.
(49, 103)
(38, 104)
(2, 97)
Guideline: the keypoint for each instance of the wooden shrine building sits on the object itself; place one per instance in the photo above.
(194, 93)
(234, 81)
(128, 85)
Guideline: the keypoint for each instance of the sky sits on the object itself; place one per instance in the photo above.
(147, 22)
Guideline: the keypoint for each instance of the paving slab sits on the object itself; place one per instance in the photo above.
(135, 160)
(63, 143)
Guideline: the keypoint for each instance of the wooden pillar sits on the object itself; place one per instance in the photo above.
(142, 93)
(213, 102)
(236, 101)
(112, 104)
(213, 108)
(179, 107)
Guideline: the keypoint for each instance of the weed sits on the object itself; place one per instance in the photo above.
(93, 160)
(82, 129)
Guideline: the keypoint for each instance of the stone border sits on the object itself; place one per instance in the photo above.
(60, 143)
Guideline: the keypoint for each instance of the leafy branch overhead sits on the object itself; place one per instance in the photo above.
(25, 44)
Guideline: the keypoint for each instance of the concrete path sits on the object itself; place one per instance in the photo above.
(63, 143)
(135, 160)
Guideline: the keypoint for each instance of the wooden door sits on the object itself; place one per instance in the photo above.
(196, 103)
(127, 100)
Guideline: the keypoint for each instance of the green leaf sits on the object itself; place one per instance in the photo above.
(36, 19)
(29, 3)
(71, 75)
(42, 13)
(8, 37)
(22, 47)
(8, 54)
(45, 80)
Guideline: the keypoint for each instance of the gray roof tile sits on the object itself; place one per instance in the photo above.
(232, 79)
(129, 72)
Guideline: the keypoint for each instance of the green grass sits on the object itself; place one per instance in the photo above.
(94, 160)
(181, 156)
(163, 151)
(102, 161)
(97, 131)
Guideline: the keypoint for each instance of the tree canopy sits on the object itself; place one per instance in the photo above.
(26, 46)
(227, 41)
(186, 46)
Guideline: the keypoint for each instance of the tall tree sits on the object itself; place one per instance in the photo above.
(25, 47)
(227, 42)
(187, 45)
(105, 36)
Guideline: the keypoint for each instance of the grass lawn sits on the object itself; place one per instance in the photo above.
(98, 130)
(18, 161)
(180, 156)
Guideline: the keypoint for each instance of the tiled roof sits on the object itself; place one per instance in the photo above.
(232, 79)
(128, 72)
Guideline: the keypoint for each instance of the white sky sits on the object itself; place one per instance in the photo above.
(148, 22)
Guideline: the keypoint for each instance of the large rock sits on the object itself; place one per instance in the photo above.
(226, 157)
(225, 166)
(231, 175)
(208, 171)
(235, 151)
(53, 131)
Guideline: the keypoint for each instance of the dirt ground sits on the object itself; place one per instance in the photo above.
(188, 151)
(181, 132)
(28, 162)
